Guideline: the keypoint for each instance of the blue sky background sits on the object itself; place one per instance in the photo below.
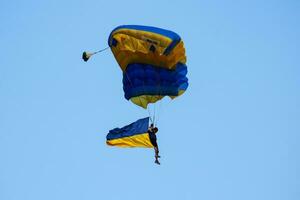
(233, 135)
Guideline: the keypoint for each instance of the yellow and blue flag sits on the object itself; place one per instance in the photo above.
(132, 135)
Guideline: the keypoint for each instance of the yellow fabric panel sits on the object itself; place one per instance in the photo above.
(134, 44)
(180, 92)
(144, 100)
(140, 101)
(158, 39)
(141, 140)
(134, 49)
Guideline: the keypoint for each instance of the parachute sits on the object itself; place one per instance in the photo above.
(152, 61)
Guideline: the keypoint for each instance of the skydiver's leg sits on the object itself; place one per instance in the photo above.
(156, 152)
(156, 155)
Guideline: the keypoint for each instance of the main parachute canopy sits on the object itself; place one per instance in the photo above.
(152, 60)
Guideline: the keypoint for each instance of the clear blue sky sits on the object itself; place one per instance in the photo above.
(233, 135)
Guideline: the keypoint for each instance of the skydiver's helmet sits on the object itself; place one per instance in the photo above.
(155, 129)
(152, 125)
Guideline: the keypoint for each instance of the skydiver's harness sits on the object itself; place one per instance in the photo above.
(152, 138)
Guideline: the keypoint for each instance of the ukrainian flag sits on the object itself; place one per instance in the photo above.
(132, 135)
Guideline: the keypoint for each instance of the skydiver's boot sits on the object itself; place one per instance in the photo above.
(157, 162)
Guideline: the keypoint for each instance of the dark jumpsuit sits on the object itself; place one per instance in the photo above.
(152, 138)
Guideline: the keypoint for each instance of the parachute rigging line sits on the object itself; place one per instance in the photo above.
(150, 117)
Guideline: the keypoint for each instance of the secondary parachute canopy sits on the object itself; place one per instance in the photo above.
(152, 60)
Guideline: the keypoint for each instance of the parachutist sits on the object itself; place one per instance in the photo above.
(152, 135)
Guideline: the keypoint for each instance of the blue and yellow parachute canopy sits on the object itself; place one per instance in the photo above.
(152, 61)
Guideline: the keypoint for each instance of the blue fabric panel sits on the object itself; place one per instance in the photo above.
(171, 46)
(138, 127)
(144, 79)
(170, 34)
